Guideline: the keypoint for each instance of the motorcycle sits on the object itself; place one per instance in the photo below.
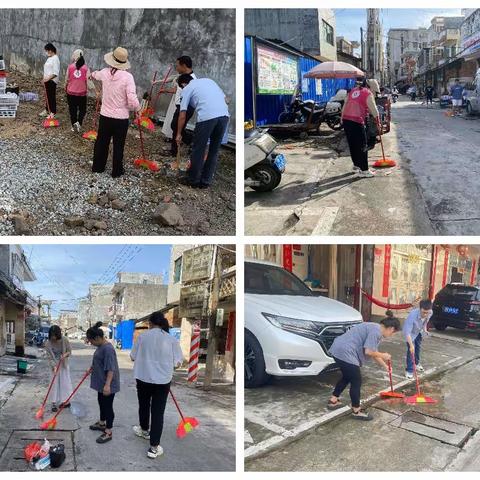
(303, 111)
(263, 166)
(394, 97)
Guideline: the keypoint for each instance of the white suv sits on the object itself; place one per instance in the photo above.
(288, 330)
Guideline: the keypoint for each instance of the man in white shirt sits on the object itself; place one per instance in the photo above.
(51, 74)
(209, 102)
(183, 65)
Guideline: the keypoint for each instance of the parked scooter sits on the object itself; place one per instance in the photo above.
(263, 166)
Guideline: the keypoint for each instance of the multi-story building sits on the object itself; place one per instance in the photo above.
(470, 39)
(190, 295)
(374, 54)
(136, 295)
(346, 52)
(67, 321)
(15, 302)
(310, 30)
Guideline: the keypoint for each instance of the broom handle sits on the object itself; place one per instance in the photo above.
(57, 368)
(380, 132)
(176, 404)
(151, 87)
(415, 373)
(390, 374)
(141, 136)
(87, 373)
(161, 86)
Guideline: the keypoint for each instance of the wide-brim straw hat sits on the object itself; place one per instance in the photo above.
(118, 59)
(373, 84)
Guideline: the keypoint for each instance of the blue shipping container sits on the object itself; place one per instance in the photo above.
(124, 333)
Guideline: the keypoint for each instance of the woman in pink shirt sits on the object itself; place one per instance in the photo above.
(119, 97)
(76, 88)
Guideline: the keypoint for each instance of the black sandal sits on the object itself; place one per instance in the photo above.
(334, 405)
(104, 438)
(98, 426)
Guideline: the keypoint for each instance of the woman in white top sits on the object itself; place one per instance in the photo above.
(156, 354)
(51, 74)
(57, 347)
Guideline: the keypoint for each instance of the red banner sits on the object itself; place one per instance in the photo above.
(472, 276)
(386, 270)
(288, 257)
(445, 268)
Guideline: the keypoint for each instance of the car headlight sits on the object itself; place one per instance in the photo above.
(305, 328)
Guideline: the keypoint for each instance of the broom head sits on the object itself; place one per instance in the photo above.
(414, 399)
(90, 135)
(146, 164)
(384, 162)
(51, 122)
(40, 412)
(390, 394)
(186, 426)
(49, 424)
(145, 122)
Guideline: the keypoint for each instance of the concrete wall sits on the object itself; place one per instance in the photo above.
(153, 37)
(174, 288)
(132, 277)
(141, 300)
(3, 328)
(100, 301)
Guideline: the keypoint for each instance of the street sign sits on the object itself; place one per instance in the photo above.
(194, 301)
(220, 314)
(197, 263)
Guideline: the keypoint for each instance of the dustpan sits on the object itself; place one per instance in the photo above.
(391, 393)
(418, 397)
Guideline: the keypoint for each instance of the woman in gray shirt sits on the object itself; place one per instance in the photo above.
(351, 350)
(105, 380)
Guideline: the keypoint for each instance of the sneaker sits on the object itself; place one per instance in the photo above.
(154, 452)
(366, 174)
(77, 126)
(98, 426)
(420, 368)
(51, 115)
(356, 169)
(72, 129)
(409, 375)
(141, 433)
(362, 415)
(43, 113)
(54, 408)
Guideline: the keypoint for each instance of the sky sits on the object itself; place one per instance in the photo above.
(64, 272)
(349, 20)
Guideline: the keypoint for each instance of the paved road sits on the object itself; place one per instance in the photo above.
(301, 435)
(209, 448)
(429, 192)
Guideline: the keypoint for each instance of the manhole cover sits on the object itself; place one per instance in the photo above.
(442, 430)
(12, 459)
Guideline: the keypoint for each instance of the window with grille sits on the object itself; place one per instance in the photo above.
(327, 32)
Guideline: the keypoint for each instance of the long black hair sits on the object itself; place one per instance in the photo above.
(80, 62)
(159, 320)
(54, 331)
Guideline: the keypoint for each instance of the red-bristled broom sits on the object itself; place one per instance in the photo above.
(41, 410)
(187, 424)
(52, 423)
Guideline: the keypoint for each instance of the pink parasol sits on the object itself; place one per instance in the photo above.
(334, 70)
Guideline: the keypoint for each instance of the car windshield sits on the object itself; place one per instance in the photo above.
(270, 280)
(469, 293)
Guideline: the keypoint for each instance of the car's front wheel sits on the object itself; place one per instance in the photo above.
(440, 326)
(255, 374)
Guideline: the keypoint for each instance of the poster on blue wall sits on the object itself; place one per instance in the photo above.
(277, 73)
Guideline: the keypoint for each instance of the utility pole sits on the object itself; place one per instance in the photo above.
(212, 319)
(362, 49)
(39, 304)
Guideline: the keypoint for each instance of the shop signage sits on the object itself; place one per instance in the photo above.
(386, 270)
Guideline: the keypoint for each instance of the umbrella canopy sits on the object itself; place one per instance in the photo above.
(334, 70)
